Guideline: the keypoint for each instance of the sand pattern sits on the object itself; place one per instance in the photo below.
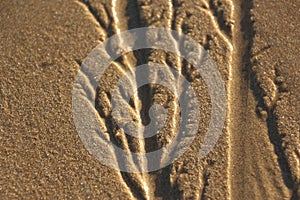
(255, 46)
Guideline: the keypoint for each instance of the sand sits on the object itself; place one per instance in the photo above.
(255, 45)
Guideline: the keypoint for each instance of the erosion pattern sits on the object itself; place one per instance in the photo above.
(252, 159)
(256, 157)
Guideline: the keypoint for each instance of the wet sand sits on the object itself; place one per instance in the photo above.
(255, 46)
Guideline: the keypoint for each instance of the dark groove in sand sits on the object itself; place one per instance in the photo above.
(226, 36)
(248, 134)
(133, 14)
(272, 122)
(136, 183)
(173, 5)
(220, 17)
(241, 98)
(139, 184)
(95, 13)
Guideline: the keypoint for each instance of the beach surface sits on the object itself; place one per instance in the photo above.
(255, 45)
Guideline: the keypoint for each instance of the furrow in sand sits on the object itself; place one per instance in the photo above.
(174, 61)
(141, 181)
(214, 20)
(111, 23)
(177, 64)
(87, 93)
(227, 38)
(254, 170)
(101, 21)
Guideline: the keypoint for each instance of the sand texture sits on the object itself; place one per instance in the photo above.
(255, 45)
